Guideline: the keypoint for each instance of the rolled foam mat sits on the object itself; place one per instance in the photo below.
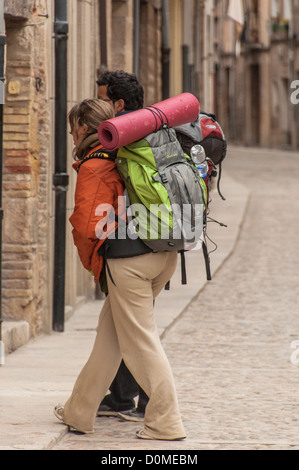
(127, 128)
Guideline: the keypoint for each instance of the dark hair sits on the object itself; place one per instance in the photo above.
(125, 86)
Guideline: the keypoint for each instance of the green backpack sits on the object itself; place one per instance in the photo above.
(167, 195)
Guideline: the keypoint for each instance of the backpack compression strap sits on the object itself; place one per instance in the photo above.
(207, 261)
(183, 266)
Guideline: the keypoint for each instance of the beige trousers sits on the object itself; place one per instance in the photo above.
(127, 329)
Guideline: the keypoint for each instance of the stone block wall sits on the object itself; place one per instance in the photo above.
(28, 137)
(25, 175)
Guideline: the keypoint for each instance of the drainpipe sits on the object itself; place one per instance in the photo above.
(136, 37)
(165, 51)
(103, 35)
(60, 178)
(2, 59)
(187, 70)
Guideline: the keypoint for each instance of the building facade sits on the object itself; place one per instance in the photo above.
(256, 65)
(109, 34)
(243, 74)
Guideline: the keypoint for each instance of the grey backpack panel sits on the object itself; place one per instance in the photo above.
(182, 183)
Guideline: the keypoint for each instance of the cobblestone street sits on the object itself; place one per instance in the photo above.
(231, 350)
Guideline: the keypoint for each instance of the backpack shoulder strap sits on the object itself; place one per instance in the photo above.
(210, 115)
(101, 154)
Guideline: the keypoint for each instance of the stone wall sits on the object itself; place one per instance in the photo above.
(25, 189)
(28, 159)
(28, 137)
(18, 9)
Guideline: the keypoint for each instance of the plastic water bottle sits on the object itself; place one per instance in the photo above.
(198, 155)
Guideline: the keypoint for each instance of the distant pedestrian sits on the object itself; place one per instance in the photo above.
(126, 327)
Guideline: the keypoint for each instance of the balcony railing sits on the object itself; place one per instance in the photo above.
(279, 28)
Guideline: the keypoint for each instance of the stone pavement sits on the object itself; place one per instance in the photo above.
(236, 384)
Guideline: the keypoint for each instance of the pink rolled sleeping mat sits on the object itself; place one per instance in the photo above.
(128, 128)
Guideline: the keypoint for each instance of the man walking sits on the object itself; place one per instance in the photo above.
(124, 92)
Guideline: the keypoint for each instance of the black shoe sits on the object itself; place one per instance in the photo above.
(131, 415)
(106, 410)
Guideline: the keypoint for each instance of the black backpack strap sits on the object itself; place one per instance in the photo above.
(183, 268)
(218, 182)
(103, 251)
(183, 271)
(210, 115)
(207, 261)
(101, 154)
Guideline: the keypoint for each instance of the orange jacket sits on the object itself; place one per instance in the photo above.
(98, 183)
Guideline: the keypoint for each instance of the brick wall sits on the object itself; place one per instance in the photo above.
(25, 191)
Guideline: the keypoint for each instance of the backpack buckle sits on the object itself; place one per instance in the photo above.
(164, 178)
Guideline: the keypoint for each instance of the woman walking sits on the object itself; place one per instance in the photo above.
(126, 327)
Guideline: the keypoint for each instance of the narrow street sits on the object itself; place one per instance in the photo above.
(233, 343)
(231, 351)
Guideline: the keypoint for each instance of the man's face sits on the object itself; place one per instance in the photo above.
(102, 94)
(118, 106)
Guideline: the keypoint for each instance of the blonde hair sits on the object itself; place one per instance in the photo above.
(90, 112)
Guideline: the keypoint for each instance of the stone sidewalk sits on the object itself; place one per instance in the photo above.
(42, 372)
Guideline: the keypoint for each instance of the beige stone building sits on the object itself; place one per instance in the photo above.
(173, 46)
(101, 34)
(254, 79)
(244, 73)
